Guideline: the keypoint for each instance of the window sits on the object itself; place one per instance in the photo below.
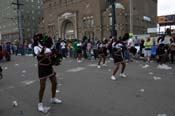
(84, 22)
(110, 20)
(88, 22)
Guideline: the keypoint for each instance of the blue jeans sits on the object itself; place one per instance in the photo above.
(126, 55)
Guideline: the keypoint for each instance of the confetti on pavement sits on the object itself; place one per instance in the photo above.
(35, 65)
(60, 84)
(145, 66)
(15, 103)
(164, 66)
(157, 78)
(28, 82)
(24, 71)
(58, 91)
(150, 73)
(142, 90)
(5, 68)
(161, 115)
(16, 64)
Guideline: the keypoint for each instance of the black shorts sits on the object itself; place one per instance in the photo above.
(118, 57)
(101, 55)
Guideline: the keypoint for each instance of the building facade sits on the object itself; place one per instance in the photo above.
(8, 22)
(69, 19)
(31, 16)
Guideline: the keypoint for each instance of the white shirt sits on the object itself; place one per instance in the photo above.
(38, 49)
(130, 43)
(30, 46)
(79, 44)
(119, 45)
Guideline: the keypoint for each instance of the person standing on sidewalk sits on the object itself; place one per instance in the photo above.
(147, 46)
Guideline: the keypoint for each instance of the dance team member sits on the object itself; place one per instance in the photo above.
(45, 57)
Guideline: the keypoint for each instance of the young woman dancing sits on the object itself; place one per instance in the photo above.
(44, 55)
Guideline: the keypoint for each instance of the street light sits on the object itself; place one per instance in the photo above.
(18, 4)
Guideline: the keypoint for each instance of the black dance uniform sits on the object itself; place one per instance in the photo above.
(117, 52)
(45, 69)
(79, 50)
(101, 49)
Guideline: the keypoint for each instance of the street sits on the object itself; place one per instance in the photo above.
(87, 90)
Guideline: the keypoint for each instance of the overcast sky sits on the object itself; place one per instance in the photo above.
(166, 7)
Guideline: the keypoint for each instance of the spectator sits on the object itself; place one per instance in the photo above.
(147, 46)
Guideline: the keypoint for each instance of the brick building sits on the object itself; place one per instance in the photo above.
(70, 19)
(31, 14)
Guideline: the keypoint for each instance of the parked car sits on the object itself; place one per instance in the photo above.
(4, 54)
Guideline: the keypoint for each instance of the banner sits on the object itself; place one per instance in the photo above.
(168, 19)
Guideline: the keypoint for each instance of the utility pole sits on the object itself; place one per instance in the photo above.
(131, 15)
(18, 5)
(114, 31)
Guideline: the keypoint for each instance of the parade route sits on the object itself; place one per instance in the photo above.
(87, 90)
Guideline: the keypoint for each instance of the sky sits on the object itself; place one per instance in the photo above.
(166, 7)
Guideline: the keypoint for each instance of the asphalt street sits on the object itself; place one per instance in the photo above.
(87, 90)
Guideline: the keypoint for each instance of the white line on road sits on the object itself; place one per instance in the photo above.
(92, 65)
(78, 69)
(10, 87)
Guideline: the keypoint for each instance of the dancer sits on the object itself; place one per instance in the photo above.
(44, 55)
(79, 51)
(118, 58)
(101, 54)
(172, 50)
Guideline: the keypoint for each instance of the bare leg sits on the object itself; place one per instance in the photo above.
(104, 59)
(54, 85)
(79, 56)
(100, 59)
(116, 68)
(123, 67)
(42, 89)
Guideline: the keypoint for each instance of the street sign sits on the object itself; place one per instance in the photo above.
(152, 30)
(166, 20)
